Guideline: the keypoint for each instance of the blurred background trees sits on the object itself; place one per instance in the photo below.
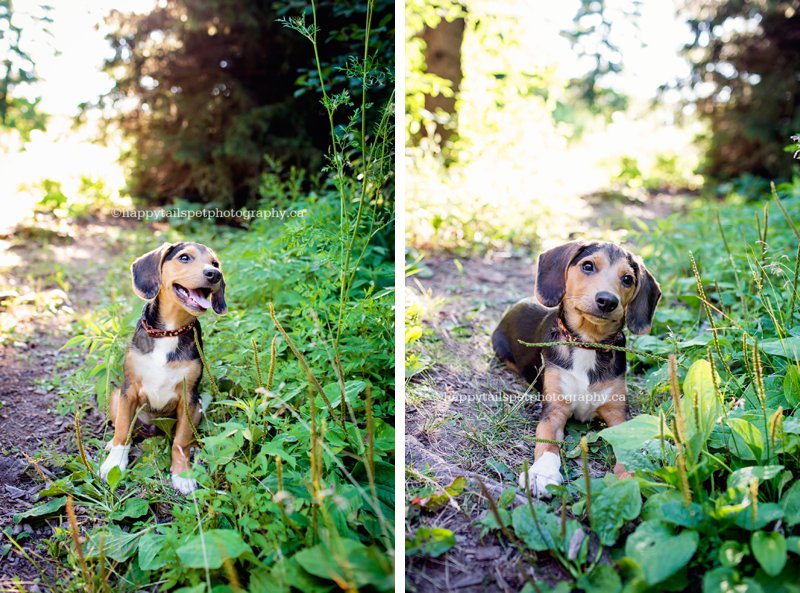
(746, 75)
(206, 88)
(17, 68)
(514, 113)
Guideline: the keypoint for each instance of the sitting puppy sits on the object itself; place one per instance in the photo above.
(180, 282)
(587, 292)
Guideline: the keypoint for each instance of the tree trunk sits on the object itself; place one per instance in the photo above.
(443, 58)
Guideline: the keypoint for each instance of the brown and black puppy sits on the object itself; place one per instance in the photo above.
(587, 292)
(180, 281)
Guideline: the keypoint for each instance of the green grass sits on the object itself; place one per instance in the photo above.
(296, 468)
(716, 444)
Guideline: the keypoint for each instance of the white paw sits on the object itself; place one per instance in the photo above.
(544, 471)
(117, 457)
(183, 485)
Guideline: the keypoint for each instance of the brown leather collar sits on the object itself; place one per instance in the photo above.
(569, 336)
(167, 333)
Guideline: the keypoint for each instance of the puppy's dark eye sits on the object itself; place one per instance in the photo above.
(215, 264)
(587, 266)
(184, 258)
(627, 280)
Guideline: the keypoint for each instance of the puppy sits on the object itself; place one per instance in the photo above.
(162, 365)
(587, 292)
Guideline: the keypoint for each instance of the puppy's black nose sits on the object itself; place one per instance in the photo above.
(212, 275)
(606, 301)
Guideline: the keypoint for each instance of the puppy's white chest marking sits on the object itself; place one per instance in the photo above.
(575, 385)
(159, 380)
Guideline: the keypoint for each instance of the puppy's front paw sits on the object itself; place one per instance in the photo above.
(544, 471)
(184, 485)
(117, 457)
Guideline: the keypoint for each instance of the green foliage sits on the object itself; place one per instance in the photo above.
(591, 38)
(18, 69)
(745, 64)
(430, 541)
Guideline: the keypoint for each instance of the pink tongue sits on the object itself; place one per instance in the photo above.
(199, 299)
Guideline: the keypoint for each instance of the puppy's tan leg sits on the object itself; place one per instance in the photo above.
(613, 413)
(122, 408)
(546, 468)
(183, 442)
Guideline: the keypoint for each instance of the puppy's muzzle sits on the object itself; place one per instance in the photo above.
(213, 275)
(606, 301)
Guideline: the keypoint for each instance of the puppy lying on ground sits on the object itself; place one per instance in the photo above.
(587, 292)
(162, 364)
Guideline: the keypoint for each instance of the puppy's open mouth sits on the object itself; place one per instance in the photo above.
(194, 298)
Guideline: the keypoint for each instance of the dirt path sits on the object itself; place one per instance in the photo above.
(49, 274)
(455, 425)
(466, 415)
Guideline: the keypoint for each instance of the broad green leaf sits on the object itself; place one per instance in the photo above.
(616, 504)
(211, 548)
(787, 347)
(701, 406)
(430, 541)
(791, 425)
(793, 544)
(111, 543)
(352, 389)
(791, 385)
(47, 509)
(114, 477)
(741, 478)
(633, 434)
(769, 548)
(350, 562)
(222, 448)
(731, 553)
(165, 424)
(603, 579)
(560, 587)
(263, 580)
(727, 580)
(275, 449)
(132, 509)
(767, 512)
(440, 498)
(746, 438)
(790, 503)
(658, 551)
(150, 546)
(201, 588)
(537, 527)
(289, 571)
(677, 513)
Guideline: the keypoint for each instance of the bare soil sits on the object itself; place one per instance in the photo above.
(455, 421)
(49, 273)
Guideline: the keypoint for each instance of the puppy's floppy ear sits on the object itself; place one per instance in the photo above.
(146, 272)
(551, 274)
(218, 299)
(643, 306)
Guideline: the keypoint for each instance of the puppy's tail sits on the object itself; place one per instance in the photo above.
(502, 347)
